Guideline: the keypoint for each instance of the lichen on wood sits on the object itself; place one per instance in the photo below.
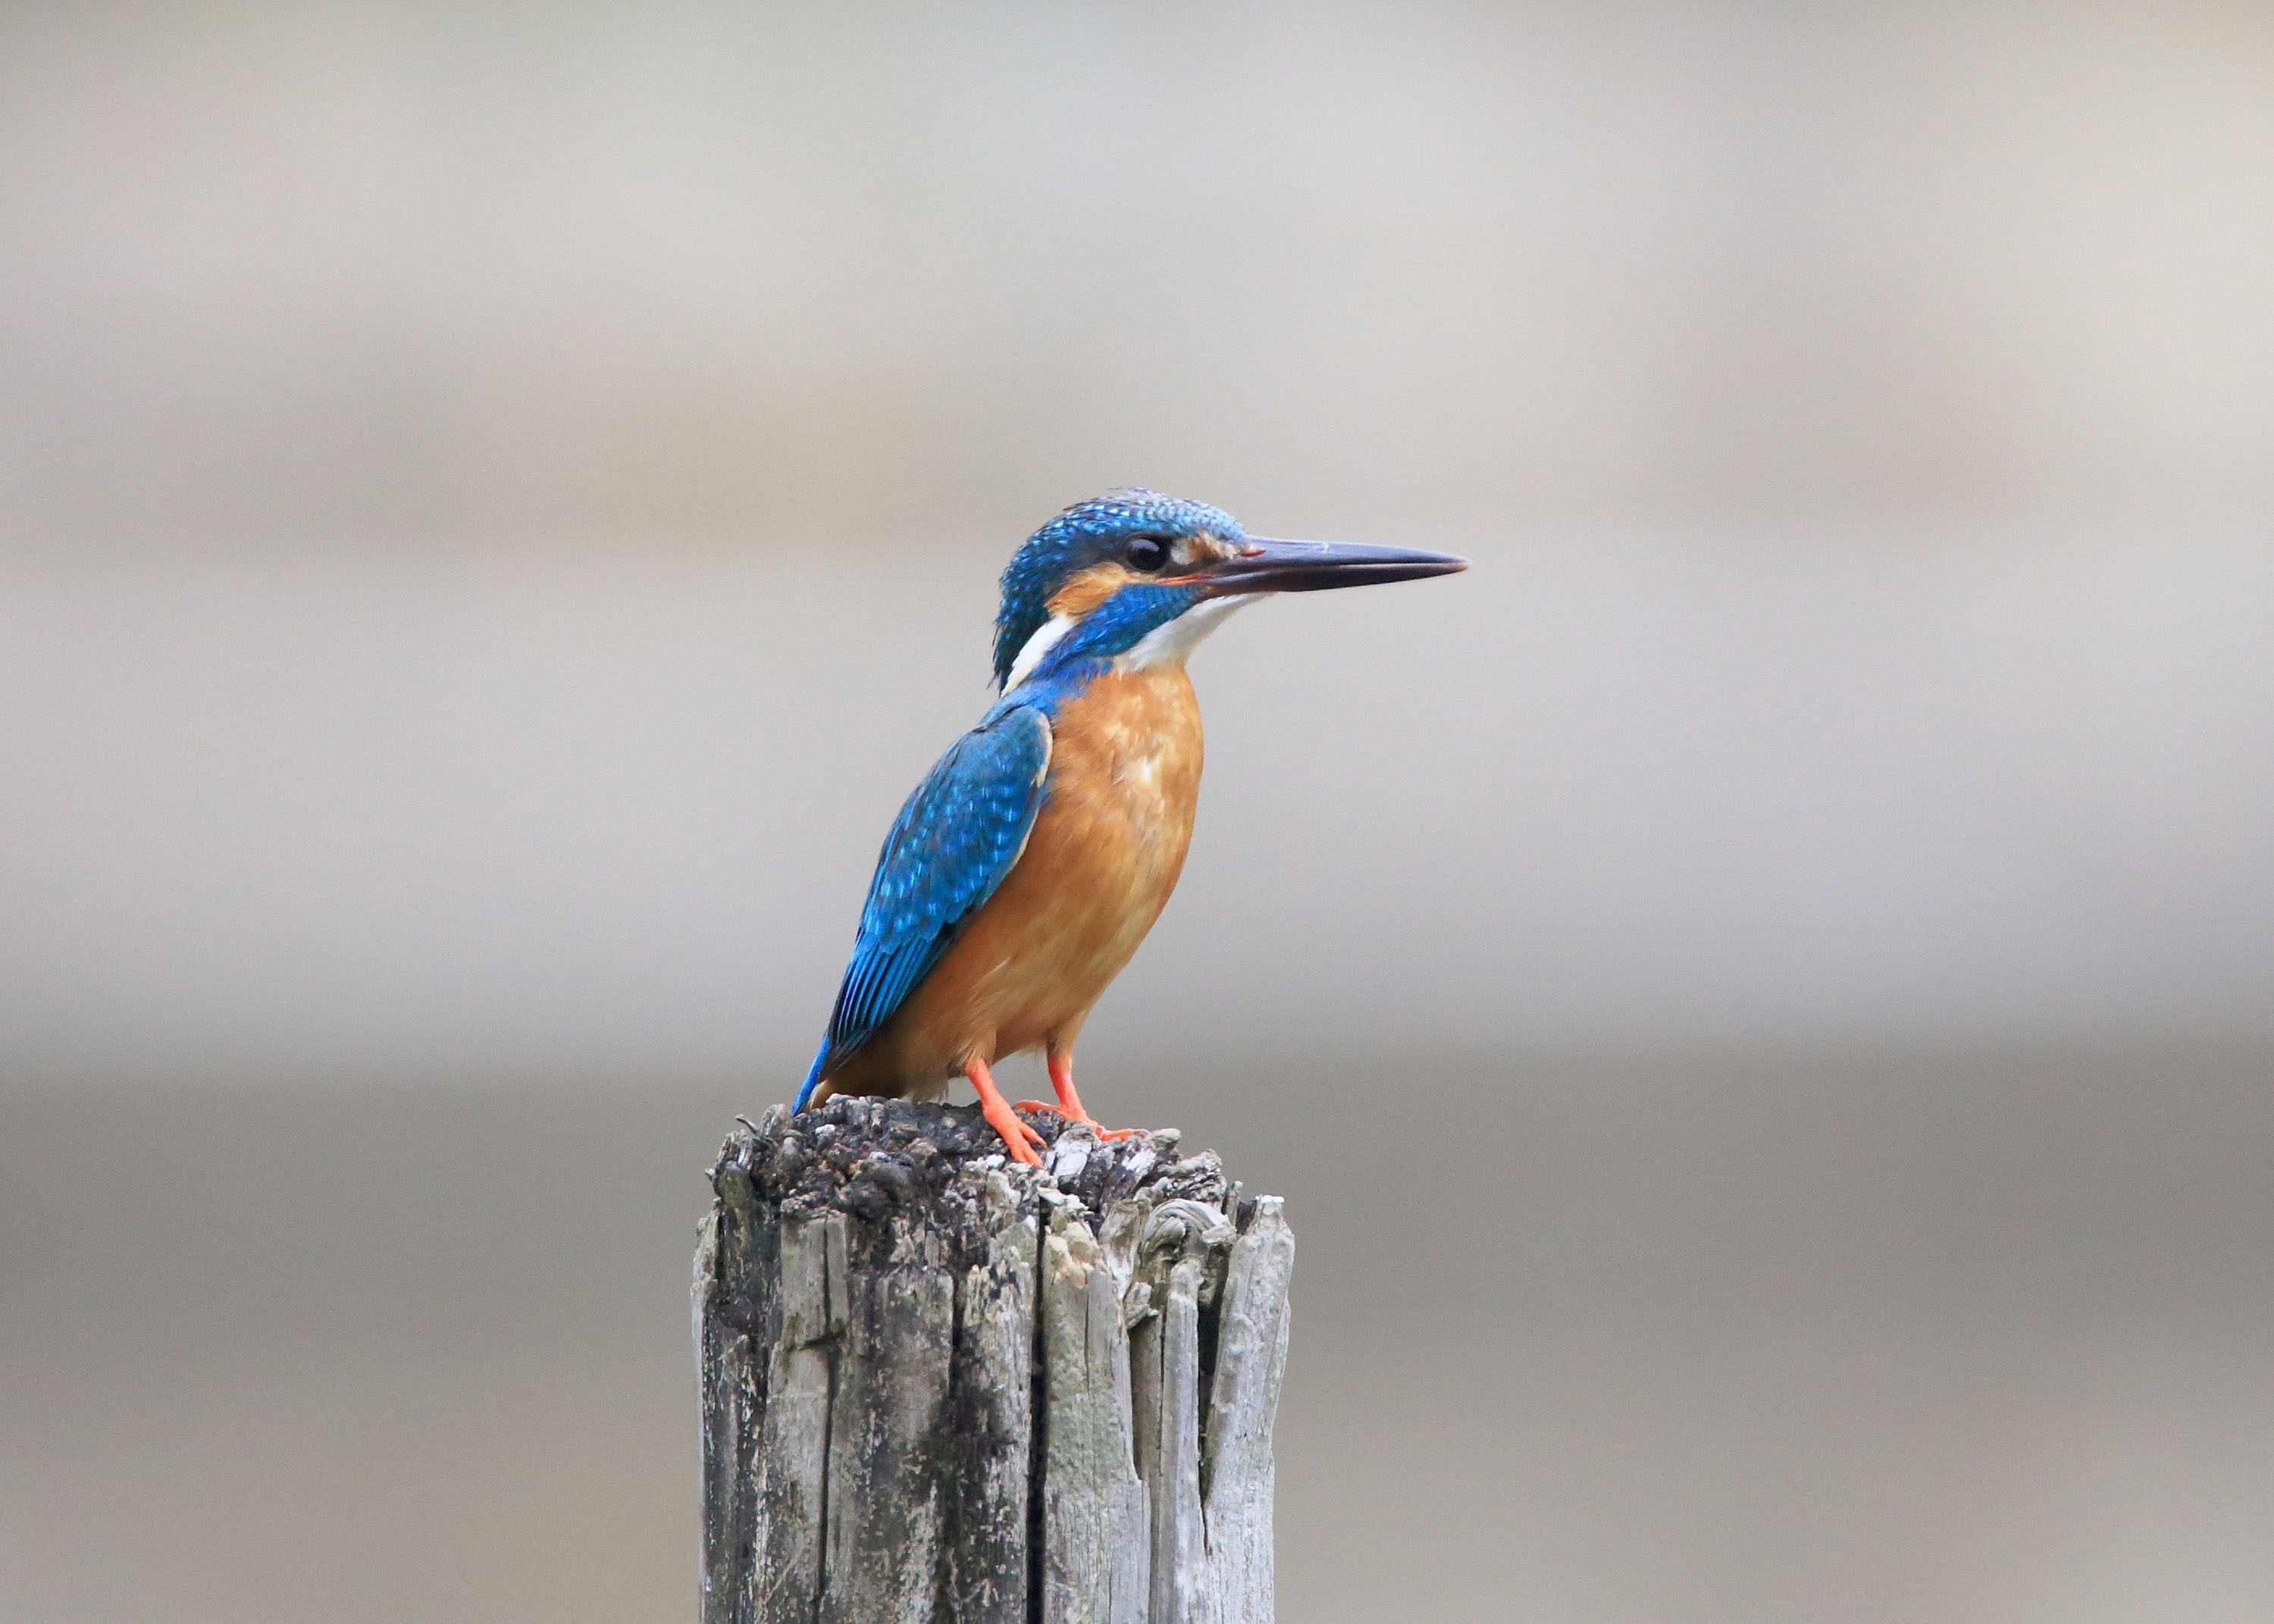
(941, 1387)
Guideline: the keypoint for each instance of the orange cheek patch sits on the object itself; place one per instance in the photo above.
(1084, 593)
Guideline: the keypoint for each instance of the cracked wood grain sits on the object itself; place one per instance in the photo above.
(942, 1389)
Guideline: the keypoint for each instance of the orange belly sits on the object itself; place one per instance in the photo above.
(1105, 852)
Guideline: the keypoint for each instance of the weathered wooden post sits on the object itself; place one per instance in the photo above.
(938, 1386)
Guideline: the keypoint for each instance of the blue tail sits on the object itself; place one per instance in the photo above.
(812, 1078)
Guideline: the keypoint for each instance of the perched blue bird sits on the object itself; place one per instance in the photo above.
(1030, 863)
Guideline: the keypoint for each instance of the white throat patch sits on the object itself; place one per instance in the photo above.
(1164, 645)
(1170, 645)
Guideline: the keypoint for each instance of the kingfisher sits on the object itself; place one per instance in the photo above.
(1022, 874)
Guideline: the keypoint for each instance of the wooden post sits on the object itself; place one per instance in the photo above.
(939, 1387)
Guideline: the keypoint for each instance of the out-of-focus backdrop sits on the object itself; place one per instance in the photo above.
(497, 504)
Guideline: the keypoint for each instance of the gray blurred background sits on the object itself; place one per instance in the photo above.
(1760, 995)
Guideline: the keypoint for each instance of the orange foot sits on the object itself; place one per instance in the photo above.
(1069, 1106)
(1019, 1139)
(1091, 1123)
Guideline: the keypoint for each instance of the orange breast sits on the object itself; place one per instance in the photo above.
(1105, 852)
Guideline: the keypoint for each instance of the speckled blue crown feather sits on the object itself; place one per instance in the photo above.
(1085, 534)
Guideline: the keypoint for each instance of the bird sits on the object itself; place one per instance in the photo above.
(1023, 872)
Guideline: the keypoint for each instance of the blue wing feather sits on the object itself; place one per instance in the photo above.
(953, 842)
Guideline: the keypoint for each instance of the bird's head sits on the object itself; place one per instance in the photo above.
(1136, 571)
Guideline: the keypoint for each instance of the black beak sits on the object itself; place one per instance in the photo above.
(1266, 566)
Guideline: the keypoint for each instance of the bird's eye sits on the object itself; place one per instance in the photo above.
(1148, 553)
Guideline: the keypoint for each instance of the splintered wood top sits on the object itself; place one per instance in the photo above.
(870, 1157)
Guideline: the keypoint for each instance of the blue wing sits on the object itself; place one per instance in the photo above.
(953, 842)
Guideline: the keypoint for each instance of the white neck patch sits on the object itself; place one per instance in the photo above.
(1172, 645)
(1045, 635)
(1164, 645)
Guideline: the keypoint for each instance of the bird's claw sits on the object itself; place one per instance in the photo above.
(1104, 1133)
(1020, 1139)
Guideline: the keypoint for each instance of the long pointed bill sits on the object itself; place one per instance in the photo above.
(1266, 566)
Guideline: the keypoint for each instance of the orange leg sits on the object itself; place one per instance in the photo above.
(1060, 1062)
(1016, 1134)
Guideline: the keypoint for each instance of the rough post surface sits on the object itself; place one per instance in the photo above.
(940, 1386)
